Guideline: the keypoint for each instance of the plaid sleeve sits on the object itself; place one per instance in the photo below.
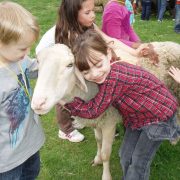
(97, 105)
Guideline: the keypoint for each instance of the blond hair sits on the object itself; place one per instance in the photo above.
(16, 21)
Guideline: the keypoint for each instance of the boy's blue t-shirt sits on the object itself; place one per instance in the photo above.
(21, 134)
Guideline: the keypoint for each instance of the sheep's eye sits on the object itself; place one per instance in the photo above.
(70, 65)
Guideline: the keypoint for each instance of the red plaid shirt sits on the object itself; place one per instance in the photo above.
(178, 2)
(139, 96)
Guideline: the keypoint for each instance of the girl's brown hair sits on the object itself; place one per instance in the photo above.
(83, 46)
(67, 26)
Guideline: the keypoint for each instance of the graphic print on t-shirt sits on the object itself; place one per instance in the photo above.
(17, 110)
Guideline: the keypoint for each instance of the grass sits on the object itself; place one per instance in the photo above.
(62, 160)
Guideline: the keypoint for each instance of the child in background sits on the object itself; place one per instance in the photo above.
(21, 134)
(134, 4)
(129, 7)
(146, 105)
(177, 17)
(116, 24)
(162, 4)
(74, 18)
(146, 10)
(175, 73)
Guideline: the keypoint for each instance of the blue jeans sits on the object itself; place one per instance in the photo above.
(177, 19)
(28, 170)
(146, 10)
(161, 8)
(136, 154)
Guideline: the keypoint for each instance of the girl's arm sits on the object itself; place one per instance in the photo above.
(97, 105)
(174, 73)
(116, 43)
(133, 36)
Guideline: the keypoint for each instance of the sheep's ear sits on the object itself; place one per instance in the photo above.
(80, 80)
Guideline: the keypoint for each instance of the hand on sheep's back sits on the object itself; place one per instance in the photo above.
(147, 50)
(175, 73)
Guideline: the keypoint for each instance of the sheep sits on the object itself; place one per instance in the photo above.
(59, 79)
(169, 55)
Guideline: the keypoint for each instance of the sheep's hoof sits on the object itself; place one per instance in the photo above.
(174, 142)
(96, 163)
(106, 177)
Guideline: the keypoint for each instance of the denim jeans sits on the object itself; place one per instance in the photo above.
(28, 170)
(136, 154)
(177, 19)
(161, 8)
(146, 10)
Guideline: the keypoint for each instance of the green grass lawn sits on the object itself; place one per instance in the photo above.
(62, 160)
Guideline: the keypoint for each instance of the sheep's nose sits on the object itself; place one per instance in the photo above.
(38, 103)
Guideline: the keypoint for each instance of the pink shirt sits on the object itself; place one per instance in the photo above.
(116, 23)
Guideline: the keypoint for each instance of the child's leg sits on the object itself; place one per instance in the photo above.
(127, 148)
(143, 13)
(27, 170)
(31, 167)
(14, 174)
(162, 9)
(144, 151)
(148, 11)
(64, 124)
(67, 131)
(177, 19)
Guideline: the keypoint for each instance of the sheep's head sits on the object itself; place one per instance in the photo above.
(56, 77)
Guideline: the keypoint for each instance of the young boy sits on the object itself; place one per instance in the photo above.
(21, 134)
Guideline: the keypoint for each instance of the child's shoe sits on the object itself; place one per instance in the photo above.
(74, 136)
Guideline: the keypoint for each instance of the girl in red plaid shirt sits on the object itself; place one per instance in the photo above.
(146, 105)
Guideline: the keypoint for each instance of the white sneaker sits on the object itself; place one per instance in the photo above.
(77, 125)
(74, 136)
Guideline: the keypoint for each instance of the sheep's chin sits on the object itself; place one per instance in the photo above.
(42, 112)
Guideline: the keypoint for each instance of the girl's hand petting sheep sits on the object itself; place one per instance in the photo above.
(174, 73)
(147, 50)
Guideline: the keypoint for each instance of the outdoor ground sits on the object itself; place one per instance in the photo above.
(62, 160)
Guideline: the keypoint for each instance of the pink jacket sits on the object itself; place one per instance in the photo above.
(116, 23)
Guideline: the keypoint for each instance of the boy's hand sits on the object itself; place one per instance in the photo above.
(174, 73)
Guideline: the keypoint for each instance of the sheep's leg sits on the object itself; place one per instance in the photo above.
(108, 132)
(98, 136)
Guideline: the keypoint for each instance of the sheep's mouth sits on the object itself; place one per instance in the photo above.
(41, 112)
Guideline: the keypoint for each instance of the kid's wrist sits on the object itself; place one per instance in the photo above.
(71, 106)
(67, 108)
